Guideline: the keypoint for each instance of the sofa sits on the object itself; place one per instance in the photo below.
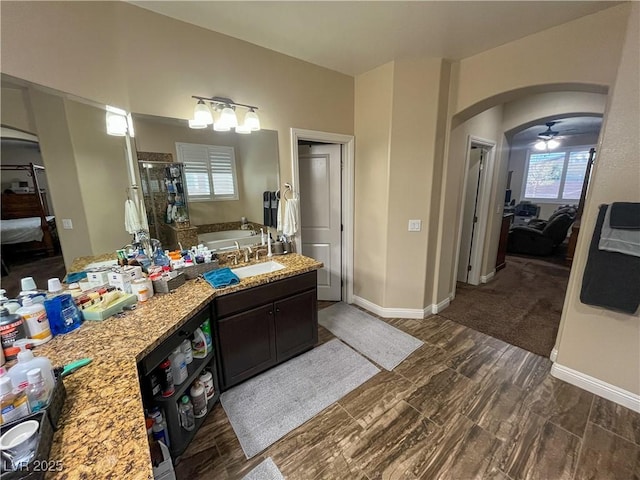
(540, 239)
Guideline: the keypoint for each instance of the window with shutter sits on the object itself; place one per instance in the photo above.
(210, 171)
(555, 176)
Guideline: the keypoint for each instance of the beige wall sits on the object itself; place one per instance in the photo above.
(373, 109)
(97, 156)
(486, 126)
(15, 109)
(595, 341)
(412, 161)
(584, 51)
(118, 54)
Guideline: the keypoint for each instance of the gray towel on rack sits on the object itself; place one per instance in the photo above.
(273, 219)
(617, 239)
(625, 215)
(266, 208)
(611, 280)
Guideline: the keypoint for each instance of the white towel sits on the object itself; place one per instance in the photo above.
(131, 217)
(618, 240)
(291, 217)
(279, 225)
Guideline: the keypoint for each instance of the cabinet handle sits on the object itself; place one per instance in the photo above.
(270, 312)
(277, 310)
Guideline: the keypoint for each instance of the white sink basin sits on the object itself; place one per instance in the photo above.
(257, 269)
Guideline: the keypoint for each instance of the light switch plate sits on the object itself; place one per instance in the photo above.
(67, 224)
(415, 225)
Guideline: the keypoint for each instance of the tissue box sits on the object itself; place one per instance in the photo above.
(122, 281)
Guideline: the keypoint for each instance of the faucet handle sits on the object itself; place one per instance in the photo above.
(259, 251)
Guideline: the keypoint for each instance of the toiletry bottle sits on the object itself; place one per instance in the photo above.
(37, 391)
(35, 316)
(27, 361)
(12, 328)
(178, 366)
(206, 329)
(186, 350)
(262, 238)
(199, 344)
(166, 378)
(199, 399)
(187, 418)
(159, 430)
(13, 402)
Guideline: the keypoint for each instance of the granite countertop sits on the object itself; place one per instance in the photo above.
(103, 432)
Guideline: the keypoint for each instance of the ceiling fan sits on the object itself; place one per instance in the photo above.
(548, 139)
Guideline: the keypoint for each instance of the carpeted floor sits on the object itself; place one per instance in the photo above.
(40, 268)
(521, 305)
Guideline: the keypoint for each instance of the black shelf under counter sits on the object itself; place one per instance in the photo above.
(194, 369)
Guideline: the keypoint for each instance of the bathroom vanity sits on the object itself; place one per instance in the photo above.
(259, 328)
(103, 432)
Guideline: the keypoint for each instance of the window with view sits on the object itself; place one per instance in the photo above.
(210, 171)
(556, 176)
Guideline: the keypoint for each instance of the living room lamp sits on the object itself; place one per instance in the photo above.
(227, 118)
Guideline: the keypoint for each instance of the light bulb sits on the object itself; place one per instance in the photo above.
(228, 117)
(541, 145)
(243, 129)
(195, 124)
(116, 124)
(202, 114)
(251, 120)
(553, 143)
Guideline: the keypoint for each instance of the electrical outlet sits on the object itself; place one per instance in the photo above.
(67, 224)
(415, 225)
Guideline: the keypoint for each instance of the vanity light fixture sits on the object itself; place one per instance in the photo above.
(119, 122)
(227, 118)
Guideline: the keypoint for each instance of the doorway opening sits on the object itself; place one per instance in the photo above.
(323, 178)
(475, 209)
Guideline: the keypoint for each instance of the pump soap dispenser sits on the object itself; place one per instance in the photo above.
(27, 361)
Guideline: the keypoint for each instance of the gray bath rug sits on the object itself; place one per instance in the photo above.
(267, 470)
(267, 407)
(375, 339)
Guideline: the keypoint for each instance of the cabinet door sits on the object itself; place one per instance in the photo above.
(247, 344)
(296, 320)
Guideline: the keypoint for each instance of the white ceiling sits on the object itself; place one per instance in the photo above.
(566, 127)
(354, 37)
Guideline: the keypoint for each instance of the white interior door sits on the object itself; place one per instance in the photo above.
(470, 214)
(320, 213)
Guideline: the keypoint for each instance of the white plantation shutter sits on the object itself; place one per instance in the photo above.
(210, 171)
(556, 176)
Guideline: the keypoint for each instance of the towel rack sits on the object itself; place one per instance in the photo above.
(288, 189)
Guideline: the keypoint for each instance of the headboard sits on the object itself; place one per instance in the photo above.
(22, 205)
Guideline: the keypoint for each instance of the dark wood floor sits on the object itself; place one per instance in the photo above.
(462, 406)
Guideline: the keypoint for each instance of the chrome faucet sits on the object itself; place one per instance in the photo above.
(234, 256)
(247, 253)
(259, 251)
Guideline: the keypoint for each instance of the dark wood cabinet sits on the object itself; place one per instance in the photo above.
(247, 343)
(261, 327)
(501, 261)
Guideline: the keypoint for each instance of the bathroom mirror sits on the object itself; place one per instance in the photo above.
(85, 170)
(256, 171)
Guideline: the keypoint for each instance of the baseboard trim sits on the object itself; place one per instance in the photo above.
(438, 307)
(554, 355)
(385, 312)
(487, 277)
(594, 385)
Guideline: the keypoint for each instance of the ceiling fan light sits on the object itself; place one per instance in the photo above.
(540, 145)
(202, 114)
(553, 143)
(251, 120)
